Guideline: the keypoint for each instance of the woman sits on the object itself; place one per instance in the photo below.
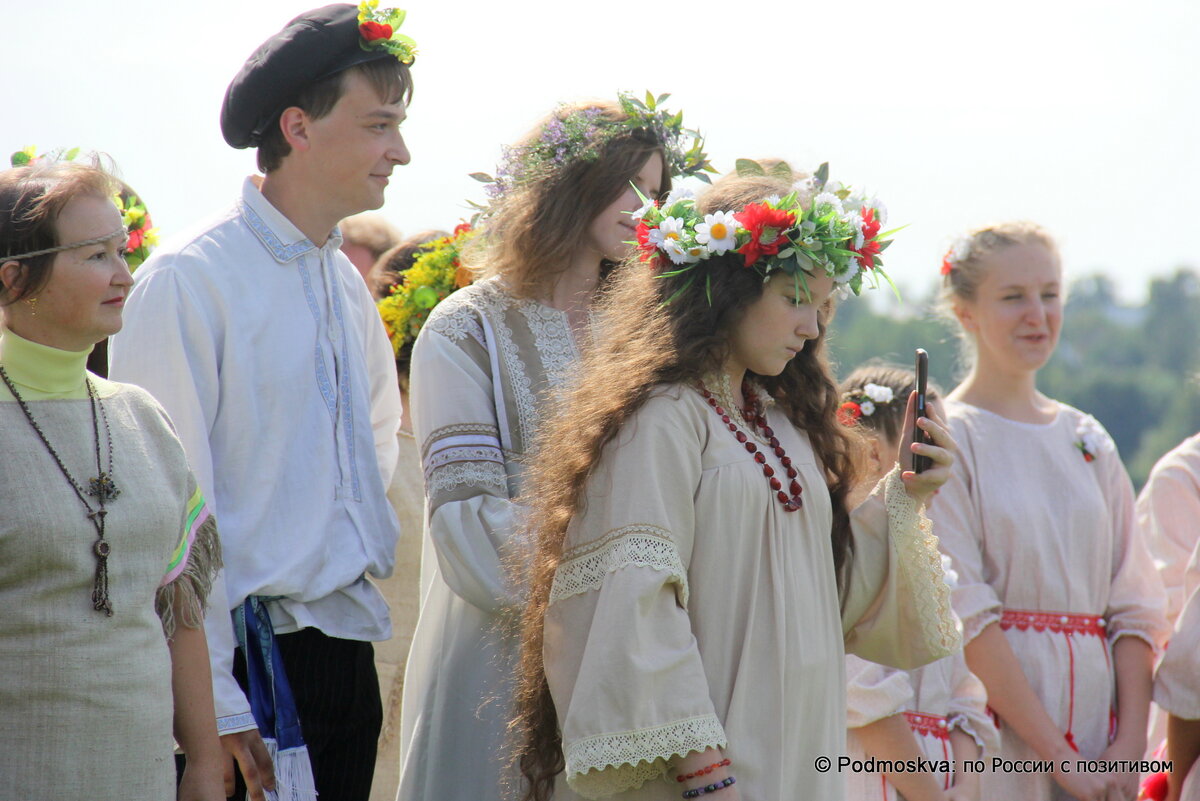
(94, 571)
(1060, 602)
(483, 366)
(937, 712)
(698, 569)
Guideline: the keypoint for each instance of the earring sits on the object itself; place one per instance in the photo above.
(32, 304)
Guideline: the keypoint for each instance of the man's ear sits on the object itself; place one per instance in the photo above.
(294, 123)
(12, 276)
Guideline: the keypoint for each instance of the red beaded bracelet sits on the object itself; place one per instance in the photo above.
(724, 763)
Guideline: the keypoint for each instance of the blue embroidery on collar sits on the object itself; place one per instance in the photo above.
(281, 252)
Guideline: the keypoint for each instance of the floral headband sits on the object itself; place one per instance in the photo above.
(436, 272)
(838, 233)
(958, 252)
(380, 31)
(581, 134)
(864, 402)
(143, 236)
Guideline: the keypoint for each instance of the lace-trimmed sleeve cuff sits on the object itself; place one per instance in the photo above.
(606, 764)
(585, 568)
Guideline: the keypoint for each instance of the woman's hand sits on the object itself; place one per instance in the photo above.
(921, 486)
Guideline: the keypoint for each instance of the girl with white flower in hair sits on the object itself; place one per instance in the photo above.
(1061, 605)
(699, 572)
(937, 712)
(485, 364)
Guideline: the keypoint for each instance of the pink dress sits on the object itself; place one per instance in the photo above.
(1043, 536)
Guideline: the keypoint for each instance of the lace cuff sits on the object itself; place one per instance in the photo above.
(607, 764)
(585, 568)
(919, 567)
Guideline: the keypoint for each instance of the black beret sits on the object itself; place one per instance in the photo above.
(313, 46)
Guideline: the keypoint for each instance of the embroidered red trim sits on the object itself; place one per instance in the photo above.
(928, 725)
(1057, 622)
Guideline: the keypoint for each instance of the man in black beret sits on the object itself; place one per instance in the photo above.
(263, 343)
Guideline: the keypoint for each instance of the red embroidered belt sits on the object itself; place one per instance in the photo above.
(928, 725)
(1057, 622)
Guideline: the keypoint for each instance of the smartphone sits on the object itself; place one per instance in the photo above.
(921, 463)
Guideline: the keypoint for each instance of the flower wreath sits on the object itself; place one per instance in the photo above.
(143, 236)
(581, 135)
(435, 273)
(838, 232)
(380, 30)
(863, 402)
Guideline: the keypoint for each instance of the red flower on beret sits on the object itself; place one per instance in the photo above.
(372, 31)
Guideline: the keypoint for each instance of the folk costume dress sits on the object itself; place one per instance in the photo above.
(483, 366)
(1168, 509)
(1177, 680)
(1039, 522)
(935, 700)
(86, 698)
(690, 610)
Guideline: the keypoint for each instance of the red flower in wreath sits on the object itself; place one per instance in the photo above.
(461, 228)
(648, 249)
(848, 413)
(372, 31)
(948, 263)
(870, 230)
(766, 227)
(136, 237)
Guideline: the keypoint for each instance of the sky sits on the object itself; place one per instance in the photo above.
(1082, 116)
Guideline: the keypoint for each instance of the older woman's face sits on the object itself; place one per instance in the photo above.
(82, 302)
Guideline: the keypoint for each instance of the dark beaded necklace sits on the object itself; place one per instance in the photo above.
(755, 416)
(101, 487)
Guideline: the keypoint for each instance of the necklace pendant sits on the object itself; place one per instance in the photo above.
(103, 488)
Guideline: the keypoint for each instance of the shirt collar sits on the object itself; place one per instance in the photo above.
(41, 368)
(277, 233)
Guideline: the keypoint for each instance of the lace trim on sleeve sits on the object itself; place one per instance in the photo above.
(459, 474)
(585, 568)
(920, 566)
(607, 764)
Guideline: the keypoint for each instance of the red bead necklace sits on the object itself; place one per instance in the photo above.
(755, 416)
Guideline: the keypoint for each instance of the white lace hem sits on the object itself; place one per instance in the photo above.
(919, 566)
(630, 546)
(452, 476)
(607, 764)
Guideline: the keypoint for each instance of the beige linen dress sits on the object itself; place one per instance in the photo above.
(1168, 511)
(1177, 681)
(402, 591)
(691, 611)
(935, 699)
(482, 368)
(86, 699)
(1039, 533)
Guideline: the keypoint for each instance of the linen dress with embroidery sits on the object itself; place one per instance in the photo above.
(935, 699)
(1168, 510)
(1177, 680)
(1033, 527)
(482, 368)
(86, 699)
(402, 592)
(691, 611)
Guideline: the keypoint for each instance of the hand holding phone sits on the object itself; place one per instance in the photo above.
(921, 463)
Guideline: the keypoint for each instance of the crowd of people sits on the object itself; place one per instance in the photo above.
(567, 502)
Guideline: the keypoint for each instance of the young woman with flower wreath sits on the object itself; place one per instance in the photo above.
(939, 711)
(485, 363)
(1061, 605)
(699, 572)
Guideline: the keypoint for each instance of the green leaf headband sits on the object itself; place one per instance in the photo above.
(581, 135)
(837, 233)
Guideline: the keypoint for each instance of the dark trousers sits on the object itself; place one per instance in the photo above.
(337, 697)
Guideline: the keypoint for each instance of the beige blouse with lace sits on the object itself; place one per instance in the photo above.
(691, 611)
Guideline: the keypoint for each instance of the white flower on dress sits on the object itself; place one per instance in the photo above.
(1093, 439)
(718, 231)
(867, 408)
(949, 571)
(879, 394)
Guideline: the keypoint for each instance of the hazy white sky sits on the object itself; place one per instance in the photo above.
(1080, 114)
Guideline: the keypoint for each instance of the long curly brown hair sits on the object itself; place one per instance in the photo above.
(647, 343)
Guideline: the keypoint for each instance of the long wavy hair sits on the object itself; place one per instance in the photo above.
(647, 344)
(534, 231)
